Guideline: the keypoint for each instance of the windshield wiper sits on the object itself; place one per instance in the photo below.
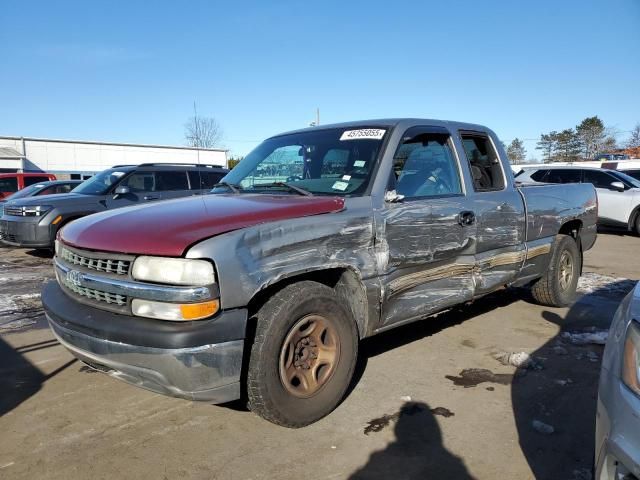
(293, 188)
(231, 186)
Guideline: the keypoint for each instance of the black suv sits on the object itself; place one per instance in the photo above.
(34, 222)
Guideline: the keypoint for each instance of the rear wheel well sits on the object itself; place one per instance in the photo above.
(572, 228)
(344, 281)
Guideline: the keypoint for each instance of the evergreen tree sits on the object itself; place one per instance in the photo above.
(548, 144)
(516, 151)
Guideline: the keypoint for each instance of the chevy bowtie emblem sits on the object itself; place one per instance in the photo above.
(74, 277)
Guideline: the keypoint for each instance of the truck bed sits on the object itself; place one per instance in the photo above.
(549, 206)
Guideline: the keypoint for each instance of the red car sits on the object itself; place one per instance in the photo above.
(12, 182)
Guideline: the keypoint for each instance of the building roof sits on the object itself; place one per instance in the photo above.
(8, 152)
(92, 142)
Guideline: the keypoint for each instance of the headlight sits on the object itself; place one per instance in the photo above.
(631, 358)
(35, 211)
(173, 271)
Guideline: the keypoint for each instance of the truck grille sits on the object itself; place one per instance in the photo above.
(8, 237)
(14, 211)
(92, 294)
(118, 267)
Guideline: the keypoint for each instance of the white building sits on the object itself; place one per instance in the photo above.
(80, 159)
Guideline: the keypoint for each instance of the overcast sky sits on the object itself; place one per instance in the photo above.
(130, 71)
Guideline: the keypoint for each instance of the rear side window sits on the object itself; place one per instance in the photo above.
(540, 175)
(598, 179)
(560, 175)
(47, 191)
(9, 184)
(424, 165)
(33, 180)
(55, 189)
(483, 162)
(168, 180)
(204, 180)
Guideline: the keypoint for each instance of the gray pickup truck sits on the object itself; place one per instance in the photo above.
(34, 222)
(317, 239)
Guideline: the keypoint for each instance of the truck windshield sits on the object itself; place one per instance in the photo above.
(336, 161)
(101, 183)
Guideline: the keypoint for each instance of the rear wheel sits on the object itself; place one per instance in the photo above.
(303, 355)
(636, 224)
(557, 288)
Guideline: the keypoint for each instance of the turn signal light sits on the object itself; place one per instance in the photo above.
(195, 311)
(174, 311)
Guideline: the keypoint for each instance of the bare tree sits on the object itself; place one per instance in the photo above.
(202, 132)
(634, 139)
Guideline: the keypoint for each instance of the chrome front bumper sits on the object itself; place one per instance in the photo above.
(206, 373)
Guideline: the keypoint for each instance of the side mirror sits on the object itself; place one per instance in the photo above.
(393, 197)
(121, 190)
(619, 186)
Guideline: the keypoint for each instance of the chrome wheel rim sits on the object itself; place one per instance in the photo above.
(565, 271)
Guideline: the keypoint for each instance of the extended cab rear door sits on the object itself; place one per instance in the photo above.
(498, 210)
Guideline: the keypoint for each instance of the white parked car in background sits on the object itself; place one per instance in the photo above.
(618, 193)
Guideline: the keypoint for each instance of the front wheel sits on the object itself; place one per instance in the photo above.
(303, 355)
(557, 288)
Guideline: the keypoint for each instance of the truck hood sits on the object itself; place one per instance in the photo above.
(168, 228)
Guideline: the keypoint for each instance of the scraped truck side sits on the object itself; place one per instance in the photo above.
(317, 239)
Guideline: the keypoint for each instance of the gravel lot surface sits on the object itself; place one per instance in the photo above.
(429, 400)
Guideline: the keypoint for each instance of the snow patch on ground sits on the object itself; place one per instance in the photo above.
(600, 285)
(597, 337)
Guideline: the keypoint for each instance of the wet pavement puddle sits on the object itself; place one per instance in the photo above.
(410, 409)
(472, 377)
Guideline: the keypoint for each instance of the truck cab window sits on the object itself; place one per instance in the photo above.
(424, 166)
(483, 162)
(33, 180)
(9, 184)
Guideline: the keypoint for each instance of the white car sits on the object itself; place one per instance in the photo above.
(618, 193)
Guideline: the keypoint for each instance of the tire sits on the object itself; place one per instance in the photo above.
(293, 383)
(636, 224)
(557, 288)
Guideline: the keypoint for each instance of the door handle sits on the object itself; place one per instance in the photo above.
(151, 197)
(466, 218)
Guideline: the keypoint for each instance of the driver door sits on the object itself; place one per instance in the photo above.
(429, 237)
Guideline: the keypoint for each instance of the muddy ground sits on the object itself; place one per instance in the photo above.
(429, 400)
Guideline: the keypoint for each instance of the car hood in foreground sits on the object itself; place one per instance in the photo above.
(168, 228)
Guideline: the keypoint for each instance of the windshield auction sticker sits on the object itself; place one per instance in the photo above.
(365, 133)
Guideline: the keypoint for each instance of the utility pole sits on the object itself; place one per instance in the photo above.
(317, 121)
(197, 125)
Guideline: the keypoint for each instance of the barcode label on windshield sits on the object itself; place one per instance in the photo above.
(369, 133)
